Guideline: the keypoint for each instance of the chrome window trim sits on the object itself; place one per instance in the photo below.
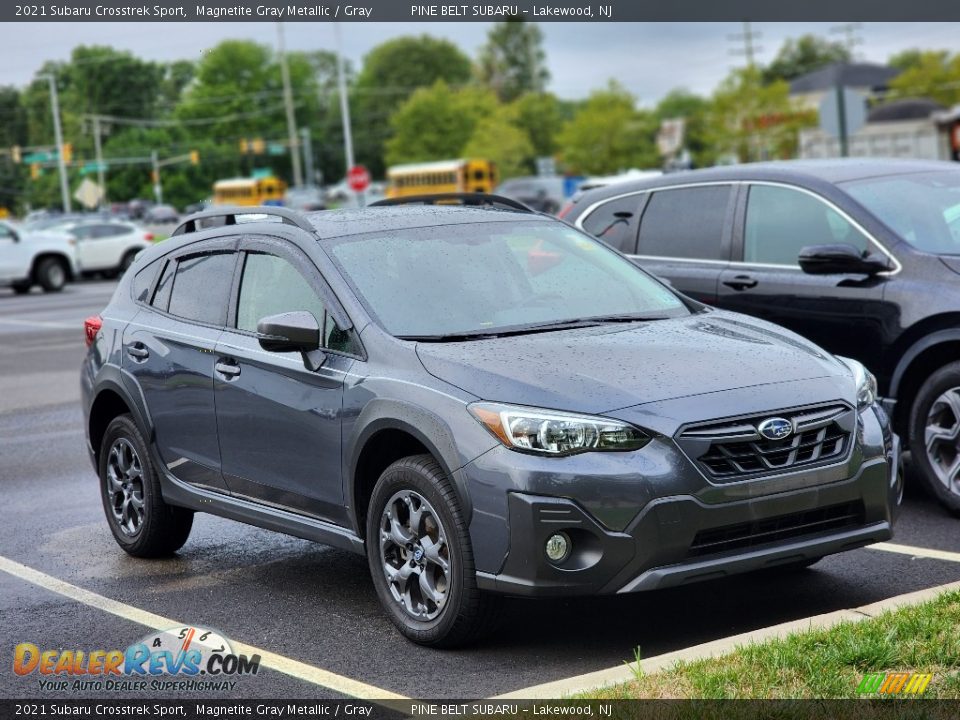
(897, 267)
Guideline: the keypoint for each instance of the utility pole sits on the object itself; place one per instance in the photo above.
(344, 106)
(307, 146)
(101, 171)
(850, 40)
(58, 137)
(288, 102)
(749, 49)
(157, 187)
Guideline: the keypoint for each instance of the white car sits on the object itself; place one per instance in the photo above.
(106, 246)
(47, 259)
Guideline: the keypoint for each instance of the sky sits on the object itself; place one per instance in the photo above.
(649, 59)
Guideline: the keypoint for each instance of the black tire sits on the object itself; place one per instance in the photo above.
(466, 612)
(125, 263)
(51, 274)
(162, 529)
(928, 409)
(22, 288)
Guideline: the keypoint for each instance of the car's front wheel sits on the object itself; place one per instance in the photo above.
(935, 435)
(420, 556)
(141, 522)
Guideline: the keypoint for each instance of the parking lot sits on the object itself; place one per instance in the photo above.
(312, 607)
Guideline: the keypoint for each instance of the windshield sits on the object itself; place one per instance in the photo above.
(923, 208)
(489, 277)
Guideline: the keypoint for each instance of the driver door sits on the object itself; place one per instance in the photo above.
(12, 263)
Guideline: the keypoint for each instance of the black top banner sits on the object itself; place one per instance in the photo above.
(426, 11)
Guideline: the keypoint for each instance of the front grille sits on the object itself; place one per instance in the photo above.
(729, 451)
(775, 529)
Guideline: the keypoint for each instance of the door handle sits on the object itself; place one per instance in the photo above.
(741, 282)
(138, 351)
(228, 368)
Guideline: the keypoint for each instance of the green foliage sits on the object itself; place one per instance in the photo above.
(608, 134)
(805, 54)
(437, 122)
(540, 115)
(513, 61)
(694, 110)
(497, 138)
(392, 71)
(934, 74)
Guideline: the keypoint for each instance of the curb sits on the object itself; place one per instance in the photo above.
(623, 673)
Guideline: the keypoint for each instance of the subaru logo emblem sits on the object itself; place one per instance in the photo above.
(775, 428)
(418, 554)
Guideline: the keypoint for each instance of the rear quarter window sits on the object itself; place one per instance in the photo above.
(201, 288)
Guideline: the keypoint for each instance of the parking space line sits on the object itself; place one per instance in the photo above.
(916, 551)
(280, 663)
(41, 323)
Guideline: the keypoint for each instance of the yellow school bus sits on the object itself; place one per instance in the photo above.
(445, 176)
(249, 191)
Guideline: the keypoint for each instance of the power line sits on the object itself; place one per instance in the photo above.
(747, 40)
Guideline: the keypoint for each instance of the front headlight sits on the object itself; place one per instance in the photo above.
(547, 432)
(864, 381)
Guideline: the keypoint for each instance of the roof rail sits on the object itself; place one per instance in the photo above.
(229, 215)
(471, 199)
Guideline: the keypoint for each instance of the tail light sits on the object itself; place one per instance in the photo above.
(148, 237)
(91, 326)
(565, 210)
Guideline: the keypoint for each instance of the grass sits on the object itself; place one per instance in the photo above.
(821, 664)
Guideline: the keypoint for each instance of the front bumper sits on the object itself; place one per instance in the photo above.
(684, 537)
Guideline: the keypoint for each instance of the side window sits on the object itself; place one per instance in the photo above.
(615, 223)
(782, 221)
(6, 233)
(685, 223)
(201, 288)
(271, 285)
(143, 280)
(84, 232)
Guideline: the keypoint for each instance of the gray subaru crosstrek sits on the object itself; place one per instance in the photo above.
(481, 399)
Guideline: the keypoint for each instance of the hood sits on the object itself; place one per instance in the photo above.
(606, 368)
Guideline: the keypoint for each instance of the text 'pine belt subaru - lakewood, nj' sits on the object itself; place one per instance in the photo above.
(482, 399)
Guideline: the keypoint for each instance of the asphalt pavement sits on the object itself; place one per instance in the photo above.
(316, 605)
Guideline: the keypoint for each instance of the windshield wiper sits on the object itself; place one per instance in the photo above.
(533, 328)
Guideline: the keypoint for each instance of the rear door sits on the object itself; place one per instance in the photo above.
(279, 423)
(168, 349)
(685, 237)
(844, 314)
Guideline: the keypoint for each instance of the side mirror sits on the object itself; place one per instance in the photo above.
(840, 259)
(292, 332)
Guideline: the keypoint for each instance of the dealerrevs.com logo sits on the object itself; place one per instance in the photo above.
(179, 659)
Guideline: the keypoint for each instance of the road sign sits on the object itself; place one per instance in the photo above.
(92, 167)
(358, 178)
(853, 115)
(670, 136)
(89, 193)
(39, 157)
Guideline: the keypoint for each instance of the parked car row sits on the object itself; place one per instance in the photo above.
(861, 257)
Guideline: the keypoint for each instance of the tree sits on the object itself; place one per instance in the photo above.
(805, 54)
(540, 116)
(608, 134)
(391, 72)
(933, 74)
(13, 131)
(755, 121)
(105, 81)
(436, 123)
(679, 103)
(513, 61)
(496, 138)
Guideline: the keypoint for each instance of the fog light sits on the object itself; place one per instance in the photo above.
(558, 547)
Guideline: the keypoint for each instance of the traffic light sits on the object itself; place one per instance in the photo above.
(34, 171)
(68, 152)
(257, 146)
(15, 154)
(154, 176)
(244, 146)
(194, 157)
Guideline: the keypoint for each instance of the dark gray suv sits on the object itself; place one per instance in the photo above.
(480, 398)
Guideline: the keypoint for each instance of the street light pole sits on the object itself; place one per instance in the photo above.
(288, 102)
(344, 105)
(101, 179)
(307, 155)
(58, 137)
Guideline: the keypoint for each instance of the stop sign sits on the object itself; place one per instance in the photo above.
(358, 178)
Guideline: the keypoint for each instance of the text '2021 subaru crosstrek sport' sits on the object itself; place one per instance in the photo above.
(481, 399)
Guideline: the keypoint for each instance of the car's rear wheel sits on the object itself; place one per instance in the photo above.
(126, 262)
(420, 556)
(51, 274)
(141, 522)
(935, 435)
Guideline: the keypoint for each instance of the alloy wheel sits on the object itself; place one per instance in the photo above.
(125, 486)
(942, 439)
(415, 555)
